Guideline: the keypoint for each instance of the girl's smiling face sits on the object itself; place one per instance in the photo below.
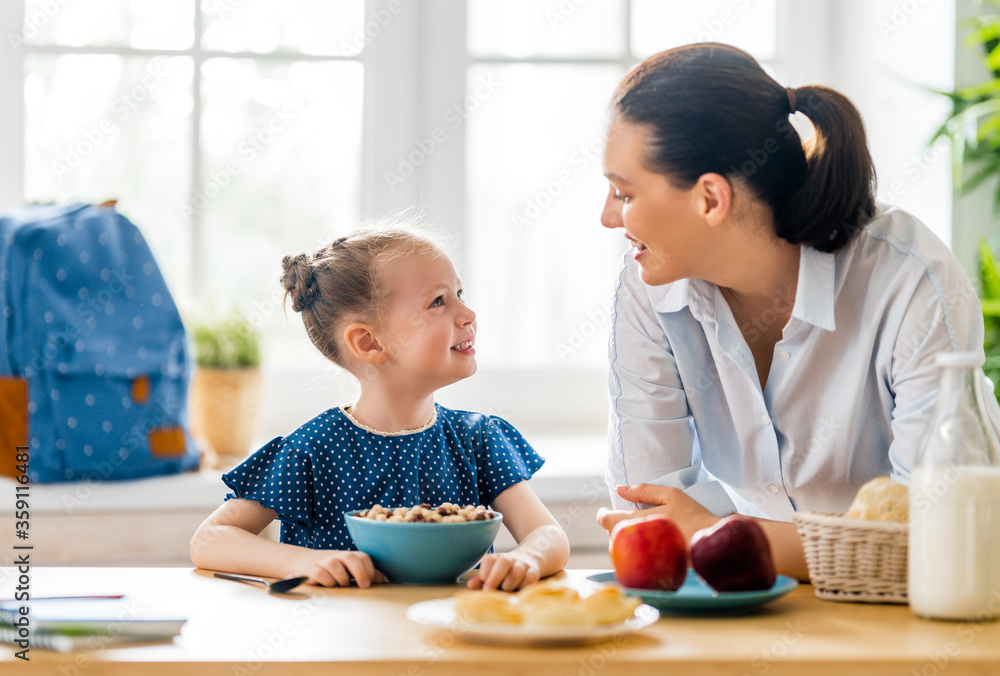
(428, 331)
(659, 219)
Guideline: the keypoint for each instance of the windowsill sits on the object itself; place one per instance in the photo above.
(574, 468)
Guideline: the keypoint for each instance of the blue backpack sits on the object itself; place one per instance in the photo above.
(94, 368)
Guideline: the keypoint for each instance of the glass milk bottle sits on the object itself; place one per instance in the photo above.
(954, 551)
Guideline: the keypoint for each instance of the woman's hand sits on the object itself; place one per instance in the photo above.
(509, 571)
(690, 516)
(682, 509)
(338, 568)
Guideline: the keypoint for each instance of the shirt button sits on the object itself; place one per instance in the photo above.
(766, 419)
(784, 355)
(772, 488)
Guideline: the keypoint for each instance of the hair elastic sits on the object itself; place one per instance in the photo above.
(790, 91)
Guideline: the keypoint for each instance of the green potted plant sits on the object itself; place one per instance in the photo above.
(989, 280)
(225, 389)
(974, 129)
(974, 122)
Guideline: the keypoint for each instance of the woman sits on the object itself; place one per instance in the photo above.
(774, 330)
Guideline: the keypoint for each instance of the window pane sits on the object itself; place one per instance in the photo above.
(281, 152)
(521, 28)
(539, 267)
(662, 24)
(142, 24)
(102, 127)
(307, 26)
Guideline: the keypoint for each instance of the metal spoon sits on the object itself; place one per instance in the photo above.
(276, 587)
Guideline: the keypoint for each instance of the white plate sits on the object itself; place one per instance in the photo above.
(441, 613)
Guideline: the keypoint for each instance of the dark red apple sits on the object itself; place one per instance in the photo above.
(649, 552)
(733, 555)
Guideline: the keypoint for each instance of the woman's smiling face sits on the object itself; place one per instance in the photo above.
(660, 220)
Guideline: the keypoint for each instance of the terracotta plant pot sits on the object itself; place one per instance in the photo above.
(224, 406)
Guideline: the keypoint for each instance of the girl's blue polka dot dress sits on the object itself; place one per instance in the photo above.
(332, 465)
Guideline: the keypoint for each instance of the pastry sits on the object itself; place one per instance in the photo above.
(881, 499)
(608, 605)
(486, 607)
(545, 604)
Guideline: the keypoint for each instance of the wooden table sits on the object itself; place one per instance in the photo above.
(240, 630)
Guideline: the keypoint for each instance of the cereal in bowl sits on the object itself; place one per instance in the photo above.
(423, 513)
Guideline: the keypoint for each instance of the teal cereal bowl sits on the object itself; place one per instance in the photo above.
(423, 553)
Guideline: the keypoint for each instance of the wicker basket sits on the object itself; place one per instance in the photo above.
(223, 412)
(853, 559)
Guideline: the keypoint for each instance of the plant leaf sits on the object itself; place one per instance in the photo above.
(989, 274)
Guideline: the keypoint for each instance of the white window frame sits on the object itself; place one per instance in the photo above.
(543, 401)
(415, 65)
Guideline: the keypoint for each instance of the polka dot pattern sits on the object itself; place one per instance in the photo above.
(331, 465)
(79, 323)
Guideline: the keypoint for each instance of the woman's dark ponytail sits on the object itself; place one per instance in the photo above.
(837, 197)
(711, 108)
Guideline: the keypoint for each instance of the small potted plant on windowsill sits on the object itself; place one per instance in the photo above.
(225, 389)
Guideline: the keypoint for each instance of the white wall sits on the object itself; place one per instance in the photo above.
(882, 54)
(11, 116)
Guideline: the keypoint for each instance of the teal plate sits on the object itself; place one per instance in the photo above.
(695, 596)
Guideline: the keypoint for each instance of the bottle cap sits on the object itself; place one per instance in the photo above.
(959, 359)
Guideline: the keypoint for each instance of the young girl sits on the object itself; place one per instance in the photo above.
(387, 306)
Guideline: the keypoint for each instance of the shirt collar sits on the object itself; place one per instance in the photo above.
(814, 293)
(697, 294)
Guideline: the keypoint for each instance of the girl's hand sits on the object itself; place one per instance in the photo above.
(338, 568)
(682, 509)
(509, 571)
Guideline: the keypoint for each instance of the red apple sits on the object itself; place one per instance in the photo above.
(733, 555)
(649, 552)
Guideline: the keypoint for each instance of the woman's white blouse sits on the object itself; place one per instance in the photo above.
(850, 392)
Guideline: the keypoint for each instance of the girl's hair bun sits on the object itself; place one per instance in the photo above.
(299, 281)
(343, 281)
